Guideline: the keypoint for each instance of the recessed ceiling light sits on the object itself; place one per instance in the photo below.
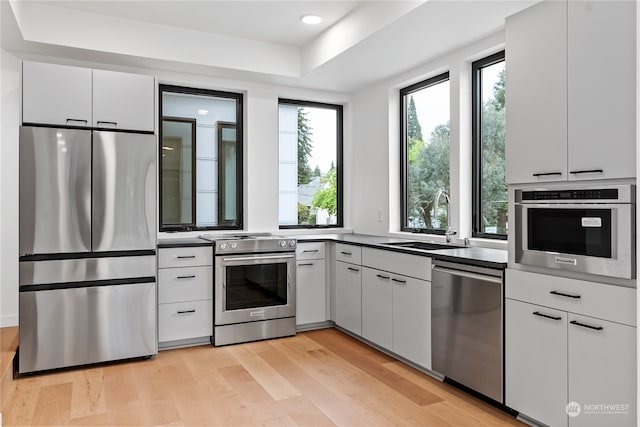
(311, 19)
(203, 112)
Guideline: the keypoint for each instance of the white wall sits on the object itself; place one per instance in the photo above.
(376, 142)
(260, 155)
(9, 120)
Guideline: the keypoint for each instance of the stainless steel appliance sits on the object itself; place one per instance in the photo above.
(255, 288)
(466, 326)
(87, 247)
(580, 229)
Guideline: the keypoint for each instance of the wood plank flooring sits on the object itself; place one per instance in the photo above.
(8, 346)
(317, 378)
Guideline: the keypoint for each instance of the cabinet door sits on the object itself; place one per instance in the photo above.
(349, 297)
(377, 307)
(602, 371)
(123, 101)
(536, 362)
(310, 292)
(602, 95)
(56, 94)
(412, 319)
(536, 73)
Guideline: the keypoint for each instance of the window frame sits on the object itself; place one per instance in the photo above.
(339, 164)
(476, 150)
(239, 98)
(404, 92)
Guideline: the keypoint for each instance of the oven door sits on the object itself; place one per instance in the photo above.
(256, 287)
(585, 238)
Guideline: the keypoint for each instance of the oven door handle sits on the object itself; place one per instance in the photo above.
(257, 258)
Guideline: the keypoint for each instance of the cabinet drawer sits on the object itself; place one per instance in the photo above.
(185, 257)
(399, 263)
(185, 284)
(348, 253)
(608, 302)
(313, 250)
(184, 320)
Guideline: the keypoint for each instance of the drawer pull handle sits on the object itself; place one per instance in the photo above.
(560, 294)
(107, 123)
(383, 277)
(398, 280)
(77, 120)
(346, 253)
(596, 328)
(187, 311)
(353, 269)
(306, 264)
(547, 174)
(537, 313)
(185, 256)
(187, 277)
(587, 171)
(313, 251)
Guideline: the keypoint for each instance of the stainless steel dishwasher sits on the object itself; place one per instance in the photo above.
(466, 326)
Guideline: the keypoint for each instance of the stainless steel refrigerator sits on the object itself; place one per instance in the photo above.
(87, 247)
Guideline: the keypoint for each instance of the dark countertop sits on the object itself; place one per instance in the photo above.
(482, 257)
(183, 242)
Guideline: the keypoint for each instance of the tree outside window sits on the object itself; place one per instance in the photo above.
(425, 153)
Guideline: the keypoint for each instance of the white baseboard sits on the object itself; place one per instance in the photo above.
(8, 320)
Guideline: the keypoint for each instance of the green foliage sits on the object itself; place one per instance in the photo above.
(428, 172)
(494, 187)
(327, 197)
(303, 214)
(317, 172)
(498, 92)
(305, 146)
(414, 130)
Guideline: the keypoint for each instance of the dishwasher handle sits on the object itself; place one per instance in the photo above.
(468, 274)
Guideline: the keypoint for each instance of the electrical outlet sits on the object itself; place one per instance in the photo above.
(380, 215)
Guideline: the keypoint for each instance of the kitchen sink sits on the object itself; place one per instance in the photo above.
(427, 246)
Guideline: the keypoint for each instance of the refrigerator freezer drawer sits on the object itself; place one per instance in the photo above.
(86, 269)
(70, 327)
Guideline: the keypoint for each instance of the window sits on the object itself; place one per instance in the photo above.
(489, 184)
(200, 159)
(310, 165)
(424, 118)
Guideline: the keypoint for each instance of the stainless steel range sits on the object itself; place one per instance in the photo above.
(255, 288)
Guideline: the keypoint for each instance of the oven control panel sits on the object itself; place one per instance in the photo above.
(251, 245)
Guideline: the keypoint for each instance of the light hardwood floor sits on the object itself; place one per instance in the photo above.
(317, 378)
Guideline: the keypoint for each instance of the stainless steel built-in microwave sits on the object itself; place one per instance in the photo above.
(587, 229)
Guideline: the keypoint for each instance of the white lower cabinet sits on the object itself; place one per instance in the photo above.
(348, 300)
(536, 362)
(377, 309)
(602, 371)
(310, 292)
(185, 295)
(412, 320)
(564, 367)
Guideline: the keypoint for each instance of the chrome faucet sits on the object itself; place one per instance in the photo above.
(449, 232)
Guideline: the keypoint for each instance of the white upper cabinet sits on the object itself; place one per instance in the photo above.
(63, 95)
(123, 101)
(602, 89)
(536, 97)
(56, 94)
(571, 91)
